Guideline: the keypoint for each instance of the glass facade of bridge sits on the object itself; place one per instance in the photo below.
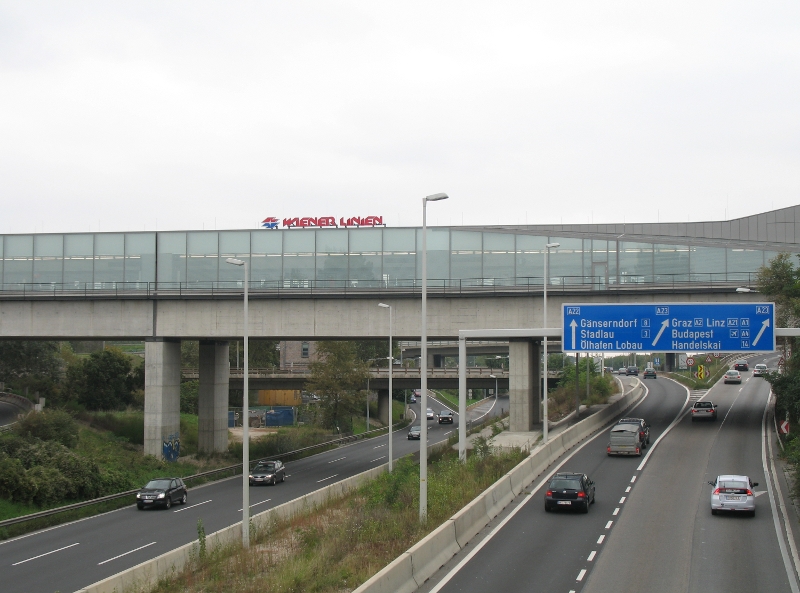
(380, 257)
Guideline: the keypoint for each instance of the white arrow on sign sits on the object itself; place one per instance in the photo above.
(784, 427)
(664, 325)
(764, 326)
(573, 325)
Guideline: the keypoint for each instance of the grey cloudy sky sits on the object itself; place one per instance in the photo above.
(183, 115)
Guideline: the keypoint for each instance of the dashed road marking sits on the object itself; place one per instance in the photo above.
(378, 459)
(192, 506)
(633, 479)
(45, 554)
(334, 460)
(628, 489)
(601, 538)
(581, 574)
(591, 556)
(616, 512)
(126, 553)
(609, 524)
(328, 478)
(622, 500)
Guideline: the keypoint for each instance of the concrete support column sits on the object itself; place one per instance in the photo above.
(383, 405)
(162, 399)
(212, 408)
(524, 385)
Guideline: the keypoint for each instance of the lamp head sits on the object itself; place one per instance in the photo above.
(234, 261)
(436, 197)
(384, 305)
(553, 245)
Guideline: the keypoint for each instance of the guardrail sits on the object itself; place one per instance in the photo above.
(231, 468)
(16, 400)
(395, 287)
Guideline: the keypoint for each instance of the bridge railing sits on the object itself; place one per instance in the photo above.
(396, 286)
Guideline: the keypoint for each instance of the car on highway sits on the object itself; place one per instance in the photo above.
(162, 492)
(429, 414)
(649, 373)
(624, 440)
(622, 370)
(414, 433)
(445, 417)
(267, 472)
(632, 371)
(641, 425)
(568, 490)
(740, 365)
(413, 399)
(760, 370)
(704, 411)
(733, 494)
(732, 376)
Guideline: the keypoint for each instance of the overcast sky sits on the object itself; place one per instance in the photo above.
(189, 115)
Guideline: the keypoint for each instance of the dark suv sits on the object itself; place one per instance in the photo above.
(632, 371)
(162, 492)
(644, 429)
(568, 490)
(740, 365)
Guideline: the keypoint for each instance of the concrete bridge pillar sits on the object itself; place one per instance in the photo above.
(162, 398)
(383, 405)
(212, 408)
(524, 385)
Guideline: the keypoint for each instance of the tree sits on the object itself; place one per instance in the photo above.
(780, 280)
(21, 359)
(103, 381)
(339, 378)
(263, 354)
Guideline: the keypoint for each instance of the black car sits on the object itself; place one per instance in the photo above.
(414, 433)
(632, 371)
(162, 492)
(644, 429)
(445, 417)
(568, 490)
(267, 472)
(740, 365)
(650, 373)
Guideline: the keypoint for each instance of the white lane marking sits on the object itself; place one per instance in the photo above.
(126, 553)
(328, 478)
(545, 480)
(616, 512)
(334, 460)
(609, 524)
(633, 479)
(672, 425)
(378, 459)
(759, 493)
(45, 554)
(581, 574)
(591, 556)
(379, 446)
(192, 506)
(622, 500)
(628, 489)
(448, 432)
(601, 538)
(255, 505)
(766, 437)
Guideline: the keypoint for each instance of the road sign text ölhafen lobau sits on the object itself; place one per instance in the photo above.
(669, 327)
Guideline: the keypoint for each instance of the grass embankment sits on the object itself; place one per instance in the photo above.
(561, 400)
(452, 398)
(714, 371)
(339, 546)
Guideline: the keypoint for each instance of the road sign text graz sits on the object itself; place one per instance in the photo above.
(672, 327)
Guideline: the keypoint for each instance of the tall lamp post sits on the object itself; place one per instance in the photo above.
(495, 384)
(391, 361)
(548, 247)
(245, 418)
(423, 372)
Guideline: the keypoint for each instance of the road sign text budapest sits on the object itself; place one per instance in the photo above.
(672, 327)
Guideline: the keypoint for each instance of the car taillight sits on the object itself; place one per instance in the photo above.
(641, 434)
(716, 490)
(581, 495)
(608, 449)
(549, 493)
(637, 449)
(693, 410)
(749, 493)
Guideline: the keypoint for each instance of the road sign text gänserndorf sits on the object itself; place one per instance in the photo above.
(669, 327)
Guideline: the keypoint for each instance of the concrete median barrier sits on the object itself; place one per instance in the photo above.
(428, 555)
(470, 520)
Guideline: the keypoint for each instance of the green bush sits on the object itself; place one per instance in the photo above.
(125, 425)
(50, 425)
(284, 441)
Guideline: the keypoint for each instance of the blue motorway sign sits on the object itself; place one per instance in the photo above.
(669, 327)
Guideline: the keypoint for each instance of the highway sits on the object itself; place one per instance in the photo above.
(8, 413)
(651, 528)
(72, 556)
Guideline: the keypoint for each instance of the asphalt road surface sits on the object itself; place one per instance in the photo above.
(8, 413)
(651, 528)
(72, 556)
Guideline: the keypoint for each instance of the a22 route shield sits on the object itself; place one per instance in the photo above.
(669, 327)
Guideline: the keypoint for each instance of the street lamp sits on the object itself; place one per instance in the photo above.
(423, 372)
(548, 247)
(245, 419)
(385, 306)
(495, 384)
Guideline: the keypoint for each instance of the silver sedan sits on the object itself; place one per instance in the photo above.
(733, 493)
